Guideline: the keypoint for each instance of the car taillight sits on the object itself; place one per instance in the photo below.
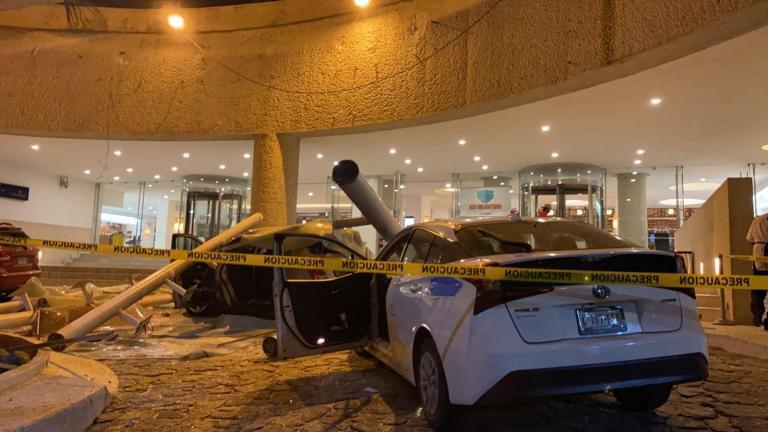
(5, 256)
(682, 268)
(491, 293)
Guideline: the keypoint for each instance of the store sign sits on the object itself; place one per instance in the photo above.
(485, 201)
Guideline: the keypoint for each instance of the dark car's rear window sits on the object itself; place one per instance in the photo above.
(527, 236)
(12, 232)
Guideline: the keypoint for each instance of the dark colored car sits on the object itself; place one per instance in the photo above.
(17, 263)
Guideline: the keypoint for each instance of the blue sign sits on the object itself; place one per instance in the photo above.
(485, 195)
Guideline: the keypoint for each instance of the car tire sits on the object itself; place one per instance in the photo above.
(431, 386)
(646, 398)
(361, 352)
(269, 346)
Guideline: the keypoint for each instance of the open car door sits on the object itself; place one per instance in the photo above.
(318, 311)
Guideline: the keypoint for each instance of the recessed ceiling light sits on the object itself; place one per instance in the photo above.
(172, 191)
(176, 21)
(559, 170)
(495, 177)
(637, 162)
(116, 178)
(545, 128)
(362, 3)
(35, 147)
(589, 171)
(447, 185)
(555, 154)
(157, 176)
(402, 186)
(511, 191)
(185, 155)
(149, 185)
(174, 168)
(247, 155)
(684, 201)
(333, 186)
(335, 163)
(407, 161)
(311, 194)
(476, 158)
(245, 174)
(640, 151)
(501, 184)
(319, 155)
(629, 199)
(149, 208)
(130, 170)
(165, 196)
(87, 172)
(386, 185)
(703, 179)
(484, 167)
(765, 147)
(222, 166)
(655, 101)
(634, 172)
(392, 151)
(633, 180)
(117, 152)
(419, 169)
(462, 141)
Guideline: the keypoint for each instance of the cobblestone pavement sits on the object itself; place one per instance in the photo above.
(342, 391)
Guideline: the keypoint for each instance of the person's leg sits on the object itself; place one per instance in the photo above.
(757, 306)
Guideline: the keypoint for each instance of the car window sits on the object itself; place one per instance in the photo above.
(418, 248)
(527, 236)
(445, 251)
(12, 232)
(314, 247)
(393, 253)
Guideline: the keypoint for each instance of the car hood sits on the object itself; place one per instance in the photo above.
(505, 259)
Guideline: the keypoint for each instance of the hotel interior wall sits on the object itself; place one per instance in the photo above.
(52, 212)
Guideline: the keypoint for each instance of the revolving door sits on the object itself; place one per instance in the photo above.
(567, 190)
(213, 204)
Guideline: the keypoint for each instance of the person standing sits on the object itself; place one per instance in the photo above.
(758, 236)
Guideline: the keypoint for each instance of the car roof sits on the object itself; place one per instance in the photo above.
(448, 227)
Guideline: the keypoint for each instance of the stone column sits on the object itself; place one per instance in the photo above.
(632, 211)
(274, 178)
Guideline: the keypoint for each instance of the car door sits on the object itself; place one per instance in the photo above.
(409, 300)
(318, 311)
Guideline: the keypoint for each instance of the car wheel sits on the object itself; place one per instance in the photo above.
(361, 352)
(269, 346)
(646, 398)
(431, 386)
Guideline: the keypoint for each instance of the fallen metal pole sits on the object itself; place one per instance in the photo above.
(16, 319)
(100, 314)
(347, 175)
(11, 306)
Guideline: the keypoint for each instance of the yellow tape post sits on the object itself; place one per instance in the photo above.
(464, 271)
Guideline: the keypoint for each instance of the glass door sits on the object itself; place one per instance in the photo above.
(201, 214)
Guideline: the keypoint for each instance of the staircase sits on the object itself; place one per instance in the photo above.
(100, 270)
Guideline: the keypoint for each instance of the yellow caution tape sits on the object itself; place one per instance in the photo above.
(747, 258)
(465, 271)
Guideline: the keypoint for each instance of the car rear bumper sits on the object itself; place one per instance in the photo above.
(534, 383)
(10, 281)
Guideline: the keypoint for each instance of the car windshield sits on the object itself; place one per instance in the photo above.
(524, 236)
(12, 232)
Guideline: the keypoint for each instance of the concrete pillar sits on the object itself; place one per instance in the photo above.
(274, 178)
(632, 211)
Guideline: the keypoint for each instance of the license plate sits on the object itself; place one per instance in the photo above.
(601, 320)
(22, 261)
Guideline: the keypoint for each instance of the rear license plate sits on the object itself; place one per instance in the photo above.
(601, 320)
(22, 261)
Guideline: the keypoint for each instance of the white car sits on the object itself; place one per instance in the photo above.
(469, 342)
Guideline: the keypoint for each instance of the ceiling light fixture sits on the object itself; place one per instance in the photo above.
(174, 168)
(545, 128)
(319, 155)
(640, 151)
(419, 169)
(130, 170)
(484, 167)
(335, 163)
(448, 185)
(476, 158)
(116, 178)
(117, 152)
(655, 101)
(462, 141)
(555, 154)
(222, 166)
(637, 162)
(157, 176)
(311, 193)
(392, 151)
(362, 3)
(246, 155)
(165, 196)
(176, 21)
(703, 179)
(87, 172)
(245, 174)
(185, 155)
(402, 186)
(495, 177)
(407, 161)
(35, 147)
